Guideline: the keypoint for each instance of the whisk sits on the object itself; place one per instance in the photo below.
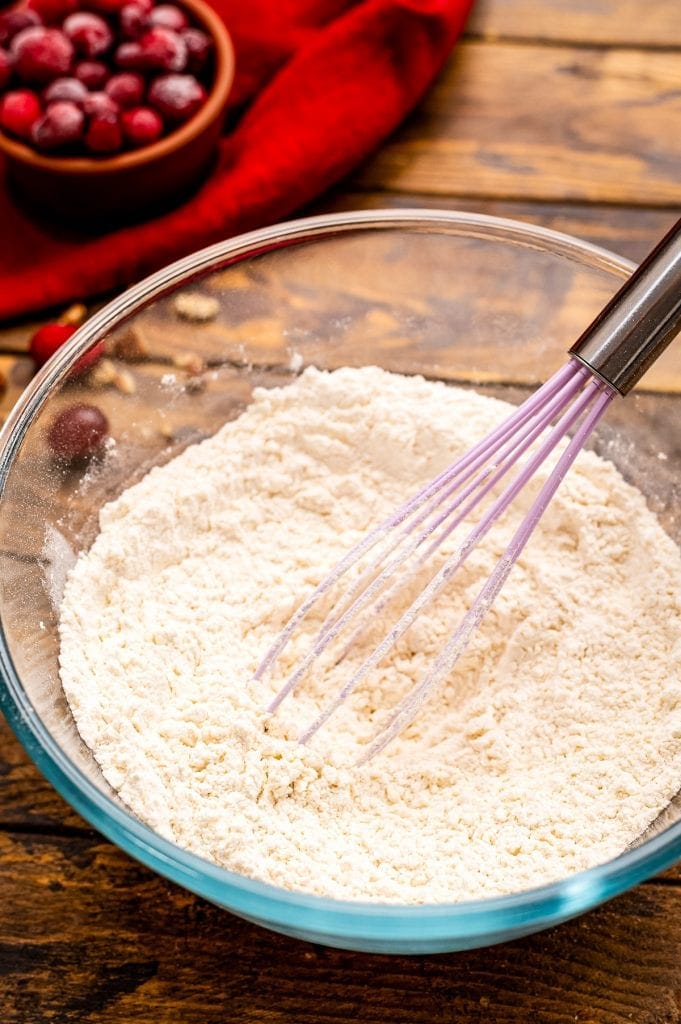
(608, 359)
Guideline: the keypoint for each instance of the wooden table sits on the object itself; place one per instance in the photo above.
(562, 112)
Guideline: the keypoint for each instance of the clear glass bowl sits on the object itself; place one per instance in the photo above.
(477, 300)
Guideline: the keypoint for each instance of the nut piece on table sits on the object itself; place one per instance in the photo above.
(196, 307)
(124, 382)
(130, 346)
(103, 374)
(107, 374)
(74, 316)
(189, 361)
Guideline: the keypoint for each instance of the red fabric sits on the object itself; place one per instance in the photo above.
(320, 83)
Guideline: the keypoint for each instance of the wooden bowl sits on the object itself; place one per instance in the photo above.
(87, 191)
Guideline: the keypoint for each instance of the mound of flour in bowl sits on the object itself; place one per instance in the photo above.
(553, 745)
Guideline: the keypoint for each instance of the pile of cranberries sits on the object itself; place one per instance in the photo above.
(116, 76)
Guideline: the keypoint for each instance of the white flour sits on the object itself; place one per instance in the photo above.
(552, 747)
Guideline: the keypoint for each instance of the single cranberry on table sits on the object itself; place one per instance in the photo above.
(61, 125)
(126, 89)
(92, 73)
(78, 432)
(41, 54)
(177, 97)
(48, 339)
(89, 33)
(66, 89)
(141, 126)
(19, 111)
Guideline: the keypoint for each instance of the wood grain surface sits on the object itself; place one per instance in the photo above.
(558, 123)
(591, 22)
(564, 113)
(97, 937)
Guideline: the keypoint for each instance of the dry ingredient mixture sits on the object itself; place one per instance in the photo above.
(554, 744)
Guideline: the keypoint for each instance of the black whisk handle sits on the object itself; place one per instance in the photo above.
(639, 322)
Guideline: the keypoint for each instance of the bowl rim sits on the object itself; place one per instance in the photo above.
(177, 139)
(355, 924)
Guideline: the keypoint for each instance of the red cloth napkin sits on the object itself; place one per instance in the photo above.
(320, 82)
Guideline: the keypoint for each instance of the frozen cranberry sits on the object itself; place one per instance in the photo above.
(98, 104)
(168, 16)
(78, 432)
(177, 97)
(129, 57)
(15, 20)
(141, 126)
(134, 21)
(126, 89)
(6, 62)
(19, 110)
(41, 54)
(89, 33)
(61, 124)
(66, 89)
(104, 134)
(52, 11)
(198, 48)
(92, 73)
(163, 50)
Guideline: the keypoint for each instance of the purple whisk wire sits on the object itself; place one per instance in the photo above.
(334, 624)
(571, 395)
(490, 474)
(456, 560)
(515, 419)
(409, 707)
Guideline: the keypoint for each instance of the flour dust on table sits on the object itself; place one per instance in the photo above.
(552, 746)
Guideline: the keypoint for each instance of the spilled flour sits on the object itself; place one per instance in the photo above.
(553, 745)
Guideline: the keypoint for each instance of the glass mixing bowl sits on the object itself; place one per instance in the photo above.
(469, 299)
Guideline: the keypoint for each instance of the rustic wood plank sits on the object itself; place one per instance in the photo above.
(628, 231)
(15, 373)
(559, 123)
(16, 338)
(95, 937)
(260, 315)
(622, 22)
(27, 800)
